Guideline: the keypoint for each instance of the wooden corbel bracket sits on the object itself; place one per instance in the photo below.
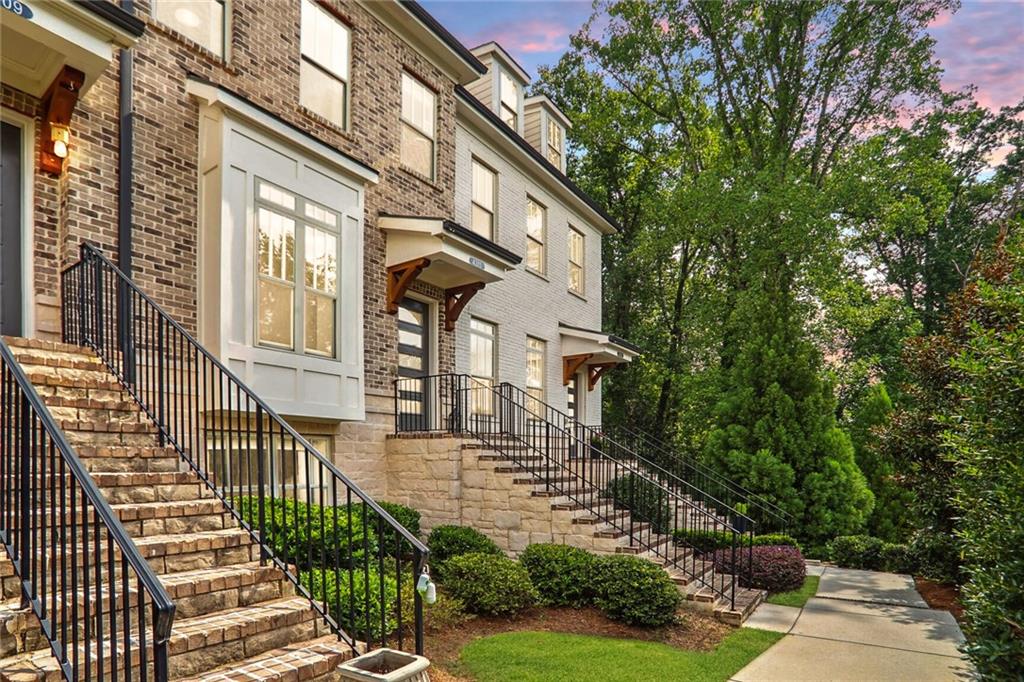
(58, 104)
(400, 277)
(571, 364)
(455, 299)
(595, 371)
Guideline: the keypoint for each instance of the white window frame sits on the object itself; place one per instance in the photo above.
(541, 241)
(313, 63)
(405, 122)
(161, 7)
(553, 148)
(535, 386)
(481, 399)
(580, 265)
(503, 106)
(302, 222)
(493, 210)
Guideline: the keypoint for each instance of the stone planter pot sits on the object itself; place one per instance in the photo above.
(385, 665)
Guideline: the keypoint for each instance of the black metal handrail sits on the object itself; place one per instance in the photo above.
(595, 439)
(100, 606)
(277, 484)
(769, 516)
(619, 494)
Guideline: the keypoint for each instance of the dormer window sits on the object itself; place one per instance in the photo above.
(554, 150)
(509, 97)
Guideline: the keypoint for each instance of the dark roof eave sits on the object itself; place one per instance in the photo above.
(617, 340)
(482, 242)
(534, 154)
(417, 10)
(113, 14)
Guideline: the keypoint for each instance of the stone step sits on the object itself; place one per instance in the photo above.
(314, 660)
(136, 487)
(746, 601)
(21, 344)
(66, 378)
(157, 518)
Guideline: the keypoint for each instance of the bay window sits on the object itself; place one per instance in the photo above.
(324, 65)
(296, 238)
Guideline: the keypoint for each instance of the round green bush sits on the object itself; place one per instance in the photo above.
(855, 551)
(490, 584)
(776, 569)
(447, 542)
(935, 555)
(645, 500)
(635, 591)
(563, 575)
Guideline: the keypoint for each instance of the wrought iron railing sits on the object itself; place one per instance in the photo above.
(769, 517)
(100, 607)
(360, 572)
(656, 518)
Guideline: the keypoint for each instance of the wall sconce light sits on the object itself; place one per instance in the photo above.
(61, 137)
(58, 105)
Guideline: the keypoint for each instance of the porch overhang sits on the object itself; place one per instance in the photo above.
(443, 254)
(42, 38)
(593, 350)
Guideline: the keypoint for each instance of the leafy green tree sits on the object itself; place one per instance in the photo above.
(985, 442)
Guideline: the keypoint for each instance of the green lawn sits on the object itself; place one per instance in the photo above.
(797, 597)
(557, 657)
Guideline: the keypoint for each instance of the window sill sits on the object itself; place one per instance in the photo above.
(538, 274)
(578, 295)
(432, 184)
(319, 119)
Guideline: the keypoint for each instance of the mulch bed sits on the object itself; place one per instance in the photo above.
(693, 632)
(941, 596)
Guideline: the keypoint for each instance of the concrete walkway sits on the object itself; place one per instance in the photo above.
(861, 625)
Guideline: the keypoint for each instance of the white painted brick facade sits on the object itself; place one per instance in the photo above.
(525, 304)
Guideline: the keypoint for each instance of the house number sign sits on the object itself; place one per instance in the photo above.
(476, 262)
(17, 7)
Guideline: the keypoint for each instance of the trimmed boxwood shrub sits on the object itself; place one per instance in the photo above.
(855, 551)
(635, 591)
(354, 600)
(644, 499)
(563, 575)
(446, 542)
(709, 540)
(772, 568)
(407, 516)
(488, 583)
(302, 533)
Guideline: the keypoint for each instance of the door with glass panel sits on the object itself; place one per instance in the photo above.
(414, 412)
(483, 338)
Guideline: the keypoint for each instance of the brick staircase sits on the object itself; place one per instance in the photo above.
(236, 619)
(601, 528)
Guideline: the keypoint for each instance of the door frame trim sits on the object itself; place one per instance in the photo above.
(28, 175)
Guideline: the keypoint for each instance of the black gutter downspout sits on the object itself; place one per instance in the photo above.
(125, 163)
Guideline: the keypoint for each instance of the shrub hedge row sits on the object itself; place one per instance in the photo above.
(710, 540)
(929, 554)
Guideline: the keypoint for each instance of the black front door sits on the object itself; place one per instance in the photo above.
(413, 364)
(10, 230)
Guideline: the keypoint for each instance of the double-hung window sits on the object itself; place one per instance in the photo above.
(485, 185)
(483, 339)
(509, 99)
(324, 66)
(536, 224)
(535, 354)
(297, 272)
(576, 256)
(555, 144)
(203, 21)
(418, 122)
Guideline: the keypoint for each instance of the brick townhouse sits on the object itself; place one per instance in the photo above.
(358, 230)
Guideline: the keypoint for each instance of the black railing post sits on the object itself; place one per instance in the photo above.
(97, 276)
(124, 334)
(25, 476)
(161, 388)
(417, 600)
(261, 482)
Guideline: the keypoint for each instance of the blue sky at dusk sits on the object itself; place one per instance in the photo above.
(983, 43)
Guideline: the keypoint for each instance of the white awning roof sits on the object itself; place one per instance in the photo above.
(603, 348)
(457, 255)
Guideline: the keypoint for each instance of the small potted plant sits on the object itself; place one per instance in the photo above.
(385, 665)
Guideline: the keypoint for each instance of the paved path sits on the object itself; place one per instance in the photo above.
(861, 626)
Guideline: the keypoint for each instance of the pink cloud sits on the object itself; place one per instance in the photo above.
(528, 35)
